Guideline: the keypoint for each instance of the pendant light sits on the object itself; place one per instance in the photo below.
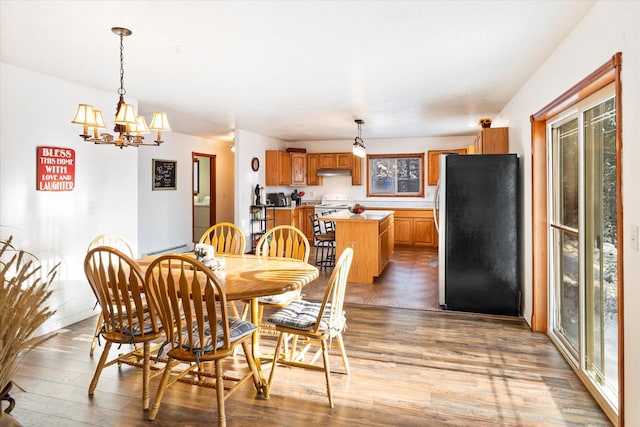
(358, 146)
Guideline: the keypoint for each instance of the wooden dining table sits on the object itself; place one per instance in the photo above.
(249, 277)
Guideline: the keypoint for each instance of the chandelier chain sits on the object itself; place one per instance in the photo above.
(122, 91)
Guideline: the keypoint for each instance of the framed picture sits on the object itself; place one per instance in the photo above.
(164, 174)
(395, 175)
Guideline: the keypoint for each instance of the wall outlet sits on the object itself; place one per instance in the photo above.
(92, 207)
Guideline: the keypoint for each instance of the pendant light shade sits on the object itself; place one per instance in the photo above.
(358, 146)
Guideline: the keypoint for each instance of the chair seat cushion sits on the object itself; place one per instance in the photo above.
(302, 315)
(280, 299)
(135, 328)
(238, 328)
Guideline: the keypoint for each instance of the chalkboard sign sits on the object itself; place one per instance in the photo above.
(164, 174)
(395, 175)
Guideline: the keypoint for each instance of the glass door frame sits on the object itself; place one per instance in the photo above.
(607, 73)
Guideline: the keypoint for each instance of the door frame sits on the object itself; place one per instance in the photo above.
(212, 188)
(606, 74)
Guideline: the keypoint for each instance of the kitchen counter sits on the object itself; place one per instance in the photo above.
(371, 235)
(339, 216)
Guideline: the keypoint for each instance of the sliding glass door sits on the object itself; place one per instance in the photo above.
(583, 240)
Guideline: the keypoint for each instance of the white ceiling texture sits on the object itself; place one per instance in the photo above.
(296, 70)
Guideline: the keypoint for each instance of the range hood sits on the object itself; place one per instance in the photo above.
(333, 172)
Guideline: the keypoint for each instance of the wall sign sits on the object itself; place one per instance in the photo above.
(56, 169)
(164, 174)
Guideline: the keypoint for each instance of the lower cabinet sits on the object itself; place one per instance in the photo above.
(415, 227)
(284, 216)
(304, 222)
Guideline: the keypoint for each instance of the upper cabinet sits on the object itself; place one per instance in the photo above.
(298, 168)
(492, 141)
(488, 141)
(356, 170)
(343, 160)
(327, 160)
(283, 168)
(433, 163)
(277, 168)
(313, 164)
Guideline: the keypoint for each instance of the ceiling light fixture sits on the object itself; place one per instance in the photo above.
(358, 146)
(128, 124)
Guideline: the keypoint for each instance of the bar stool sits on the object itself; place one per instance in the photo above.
(325, 243)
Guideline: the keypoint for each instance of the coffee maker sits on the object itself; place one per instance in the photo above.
(277, 199)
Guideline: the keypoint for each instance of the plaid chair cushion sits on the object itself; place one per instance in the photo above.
(280, 298)
(301, 315)
(134, 328)
(238, 328)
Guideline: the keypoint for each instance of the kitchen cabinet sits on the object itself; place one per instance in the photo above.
(433, 163)
(277, 167)
(385, 242)
(343, 160)
(313, 164)
(315, 161)
(415, 227)
(371, 237)
(284, 216)
(298, 168)
(304, 223)
(492, 141)
(356, 170)
(404, 231)
(424, 232)
(327, 160)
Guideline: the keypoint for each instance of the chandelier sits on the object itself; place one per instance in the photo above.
(358, 146)
(129, 126)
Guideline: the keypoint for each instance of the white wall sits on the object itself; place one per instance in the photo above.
(609, 27)
(112, 186)
(57, 226)
(166, 216)
(249, 145)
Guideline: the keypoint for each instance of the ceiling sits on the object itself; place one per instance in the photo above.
(299, 70)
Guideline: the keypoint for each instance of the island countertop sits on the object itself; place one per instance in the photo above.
(345, 215)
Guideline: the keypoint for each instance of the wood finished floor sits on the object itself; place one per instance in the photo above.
(409, 367)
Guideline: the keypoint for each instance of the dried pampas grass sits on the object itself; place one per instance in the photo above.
(23, 294)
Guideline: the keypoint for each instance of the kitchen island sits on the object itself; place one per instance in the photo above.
(370, 234)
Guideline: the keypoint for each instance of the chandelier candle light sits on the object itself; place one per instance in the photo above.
(128, 124)
(358, 146)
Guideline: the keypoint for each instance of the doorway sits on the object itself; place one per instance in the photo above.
(204, 193)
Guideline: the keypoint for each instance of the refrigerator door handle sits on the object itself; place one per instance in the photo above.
(436, 201)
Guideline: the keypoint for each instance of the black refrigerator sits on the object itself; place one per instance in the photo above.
(479, 234)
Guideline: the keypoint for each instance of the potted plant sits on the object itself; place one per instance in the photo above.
(23, 309)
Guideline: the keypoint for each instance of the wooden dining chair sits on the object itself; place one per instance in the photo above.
(113, 241)
(226, 238)
(312, 323)
(193, 310)
(283, 241)
(119, 285)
